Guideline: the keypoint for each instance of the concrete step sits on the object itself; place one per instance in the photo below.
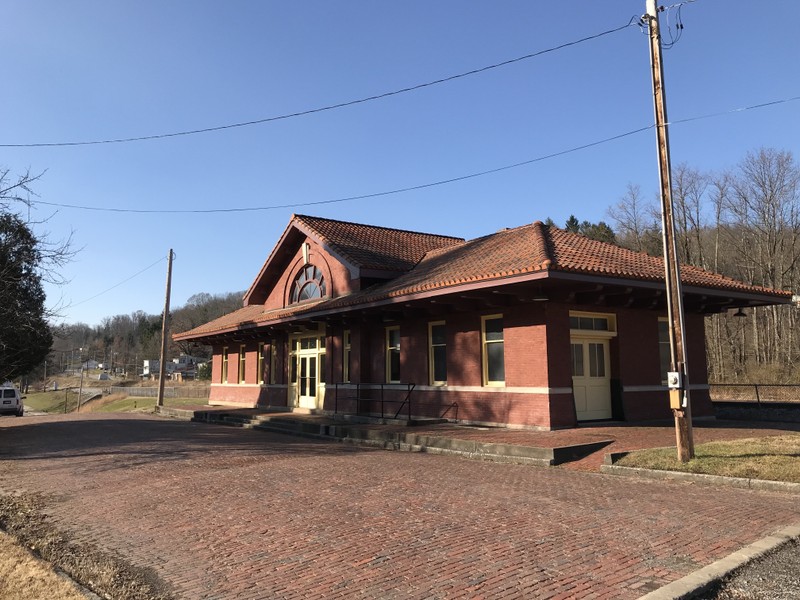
(353, 432)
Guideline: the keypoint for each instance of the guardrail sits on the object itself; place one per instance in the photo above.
(169, 392)
(757, 393)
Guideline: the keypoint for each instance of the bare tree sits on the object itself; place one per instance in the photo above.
(744, 223)
(635, 222)
(761, 225)
(688, 195)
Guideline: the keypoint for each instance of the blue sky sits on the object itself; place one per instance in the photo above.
(88, 70)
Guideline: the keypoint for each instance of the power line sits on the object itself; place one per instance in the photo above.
(633, 21)
(736, 110)
(420, 186)
(118, 284)
(349, 198)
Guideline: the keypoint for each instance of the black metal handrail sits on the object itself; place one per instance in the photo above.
(411, 387)
(406, 402)
(447, 410)
(383, 387)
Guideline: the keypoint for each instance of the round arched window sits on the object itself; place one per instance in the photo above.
(308, 284)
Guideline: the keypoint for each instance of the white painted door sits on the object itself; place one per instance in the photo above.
(307, 377)
(591, 380)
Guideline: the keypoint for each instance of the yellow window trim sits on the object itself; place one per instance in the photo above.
(591, 333)
(260, 362)
(346, 347)
(431, 370)
(242, 363)
(484, 357)
(389, 354)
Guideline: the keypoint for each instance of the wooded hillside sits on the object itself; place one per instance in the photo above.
(744, 223)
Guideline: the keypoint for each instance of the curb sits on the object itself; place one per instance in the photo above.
(702, 478)
(703, 579)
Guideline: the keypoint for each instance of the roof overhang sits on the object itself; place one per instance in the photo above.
(561, 286)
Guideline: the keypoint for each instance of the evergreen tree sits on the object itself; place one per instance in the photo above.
(25, 337)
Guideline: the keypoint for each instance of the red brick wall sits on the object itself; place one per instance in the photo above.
(216, 364)
(537, 355)
(414, 351)
(464, 349)
(530, 410)
(637, 354)
(525, 346)
(247, 396)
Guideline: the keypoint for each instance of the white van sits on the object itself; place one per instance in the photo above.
(10, 400)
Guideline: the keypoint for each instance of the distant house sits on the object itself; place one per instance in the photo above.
(531, 326)
(151, 368)
(181, 368)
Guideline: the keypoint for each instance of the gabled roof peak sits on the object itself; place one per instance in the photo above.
(373, 247)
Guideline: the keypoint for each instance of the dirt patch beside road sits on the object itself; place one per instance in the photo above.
(22, 516)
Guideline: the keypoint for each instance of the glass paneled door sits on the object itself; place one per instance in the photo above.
(306, 376)
(591, 380)
(307, 381)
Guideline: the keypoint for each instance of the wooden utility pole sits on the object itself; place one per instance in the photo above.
(162, 363)
(678, 379)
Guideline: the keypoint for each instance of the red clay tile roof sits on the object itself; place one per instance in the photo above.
(371, 247)
(533, 248)
(500, 256)
(248, 316)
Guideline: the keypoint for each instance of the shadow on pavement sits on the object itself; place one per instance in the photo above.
(141, 439)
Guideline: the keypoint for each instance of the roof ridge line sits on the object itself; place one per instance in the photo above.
(543, 237)
(438, 235)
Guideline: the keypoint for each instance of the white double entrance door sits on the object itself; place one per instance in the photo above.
(306, 371)
(591, 380)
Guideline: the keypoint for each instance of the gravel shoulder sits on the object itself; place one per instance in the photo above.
(775, 576)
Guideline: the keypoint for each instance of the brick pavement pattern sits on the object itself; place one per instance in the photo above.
(230, 513)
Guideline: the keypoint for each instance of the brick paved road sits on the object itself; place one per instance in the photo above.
(229, 513)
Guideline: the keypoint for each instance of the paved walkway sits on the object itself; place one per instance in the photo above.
(231, 513)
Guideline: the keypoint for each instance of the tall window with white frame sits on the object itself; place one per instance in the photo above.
(346, 356)
(494, 373)
(392, 355)
(224, 372)
(242, 362)
(437, 353)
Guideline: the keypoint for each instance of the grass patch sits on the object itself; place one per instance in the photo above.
(137, 404)
(51, 402)
(23, 576)
(769, 458)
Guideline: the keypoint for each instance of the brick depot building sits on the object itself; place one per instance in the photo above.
(530, 327)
